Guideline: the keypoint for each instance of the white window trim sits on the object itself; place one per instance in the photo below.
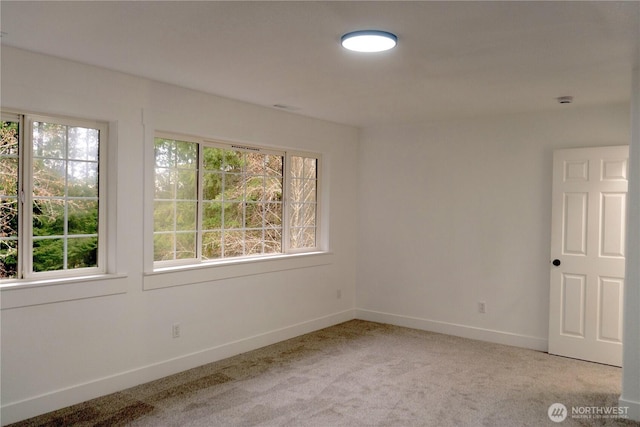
(50, 287)
(163, 274)
(27, 213)
(37, 292)
(319, 214)
(231, 268)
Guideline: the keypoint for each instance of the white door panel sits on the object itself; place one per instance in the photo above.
(588, 242)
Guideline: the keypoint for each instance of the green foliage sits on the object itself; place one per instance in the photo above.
(82, 252)
(237, 187)
(8, 199)
(8, 258)
(48, 255)
(55, 177)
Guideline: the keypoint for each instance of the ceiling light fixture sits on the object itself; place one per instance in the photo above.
(568, 99)
(369, 41)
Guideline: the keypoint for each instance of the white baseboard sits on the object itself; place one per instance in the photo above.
(16, 411)
(464, 331)
(633, 411)
(21, 410)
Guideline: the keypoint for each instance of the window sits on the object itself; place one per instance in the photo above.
(216, 201)
(303, 201)
(51, 200)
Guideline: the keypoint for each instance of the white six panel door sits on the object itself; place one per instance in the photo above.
(588, 243)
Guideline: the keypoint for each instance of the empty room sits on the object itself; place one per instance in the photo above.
(320, 213)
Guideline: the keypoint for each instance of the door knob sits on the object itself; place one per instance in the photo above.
(556, 262)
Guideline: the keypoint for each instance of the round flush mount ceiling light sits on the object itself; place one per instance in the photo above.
(369, 41)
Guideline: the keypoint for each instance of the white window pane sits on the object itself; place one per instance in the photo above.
(233, 243)
(212, 245)
(49, 177)
(49, 140)
(83, 143)
(176, 193)
(186, 245)
(163, 247)
(82, 217)
(82, 179)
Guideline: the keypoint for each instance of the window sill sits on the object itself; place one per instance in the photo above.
(36, 292)
(207, 272)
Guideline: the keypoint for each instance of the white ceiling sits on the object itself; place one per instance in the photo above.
(453, 59)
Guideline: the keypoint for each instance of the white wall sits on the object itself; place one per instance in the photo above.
(460, 212)
(61, 353)
(443, 215)
(631, 350)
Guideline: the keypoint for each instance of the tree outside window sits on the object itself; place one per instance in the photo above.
(216, 201)
(50, 218)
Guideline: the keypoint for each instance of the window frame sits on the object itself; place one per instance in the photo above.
(8, 116)
(174, 262)
(287, 197)
(173, 266)
(26, 275)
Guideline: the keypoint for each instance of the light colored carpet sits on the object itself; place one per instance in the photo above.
(363, 374)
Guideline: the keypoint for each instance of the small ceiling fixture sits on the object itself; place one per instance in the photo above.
(369, 41)
(568, 99)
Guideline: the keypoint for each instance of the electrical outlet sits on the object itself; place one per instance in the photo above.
(339, 293)
(175, 330)
(482, 307)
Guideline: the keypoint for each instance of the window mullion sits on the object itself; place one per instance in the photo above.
(65, 224)
(103, 200)
(244, 174)
(222, 210)
(262, 203)
(174, 204)
(285, 203)
(200, 196)
(22, 199)
(25, 237)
